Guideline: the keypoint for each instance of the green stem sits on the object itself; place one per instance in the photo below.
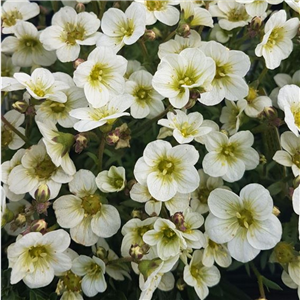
(120, 260)
(137, 132)
(53, 227)
(262, 74)
(16, 131)
(100, 152)
(102, 9)
(144, 49)
(170, 36)
(259, 280)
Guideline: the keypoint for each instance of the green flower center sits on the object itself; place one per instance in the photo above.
(142, 230)
(142, 94)
(296, 159)
(6, 137)
(30, 42)
(94, 269)
(91, 204)
(127, 31)
(72, 282)
(228, 150)
(252, 95)
(203, 195)
(276, 36)
(220, 72)
(11, 18)
(296, 113)
(57, 107)
(45, 168)
(74, 33)
(237, 14)
(245, 218)
(156, 5)
(212, 244)
(186, 129)
(39, 92)
(186, 81)
(166, 167)
(196, 271)
(37, 251)
(168, 233)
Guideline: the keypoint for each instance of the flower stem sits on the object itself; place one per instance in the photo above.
(53, 227)
(100, 152)
(170, 36)
(16, 131)
(259, 280)
(120, 260)
(262, 74)
(144, 49)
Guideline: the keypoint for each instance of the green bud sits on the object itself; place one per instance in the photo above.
(147, 267)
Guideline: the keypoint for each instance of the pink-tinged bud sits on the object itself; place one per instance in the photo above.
(136, 252)
(255, 26)
(270, 112)
(41, 207)
(77, 62)
(80, 7)
(81, 142)
(20, 106)
(183, 30)
(149, 35)
(113, 137)
(42, 194)
(38, 226)
(178, 220)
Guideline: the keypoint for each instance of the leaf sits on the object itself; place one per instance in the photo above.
(37, 295)
(271, 284)
(276, 188)
(93, 157)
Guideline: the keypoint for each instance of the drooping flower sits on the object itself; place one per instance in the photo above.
(36, 258)
(84, 212)
(101, 76)
(166, 170)
(69, 30)
(230, 157)
(245, 222)
(277, 44)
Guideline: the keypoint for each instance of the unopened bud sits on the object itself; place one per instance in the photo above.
(137, 213)
(276, 211)
(42, 194)
(136, 252)
(284, 253)
(180, 284)
(255, 26)
(113, 137)
(270, 112)
(191, 103)
(77, 62)
(44, 10)
(38, 226)
(149, 35)
(262, 159)
(183, 30)
(20, 220)
(125, 137)
(20, 106)
(129, 186)
(80, 7)
(81, 142)
(147, 267)
(178, 220)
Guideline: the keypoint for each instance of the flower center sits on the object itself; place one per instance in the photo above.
(11, 18)
(39, 92)
(186, 129)
(6, 137)
(237, 14)
(72, 282)
(186, 81)
(245, 218)
(276, 36)
(37, 251)
(168, 233)
(30, 42)
(156, 5)
(74, 33)
(57, 107)
(252, 95)
(96, 73)
(166, 167)
(203, 195)
(94, 269)
(142, 94)
(220, 72)
(228, 150)
(127, 31)
(142, 230)
(91, 204)
(296, 113)
(296, 159)
(196, 271)
(45, 168)
(212, 244)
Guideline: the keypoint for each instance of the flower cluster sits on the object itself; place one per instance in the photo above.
(146, 145)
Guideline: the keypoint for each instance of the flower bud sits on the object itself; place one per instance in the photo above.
(254, 26)
(147, 267)
(183, 30)
(80, 7)
(180, 284)
(262, 159)
(81, 142)
(178, 220)
(38, 226)
(113, 137)
(41, 207)
(101, 253)
(42, 194)
(276, 211)
(137, 213)
(77, 62)
(149, 35)
(284, 253)
(136, 252)
(20, 106)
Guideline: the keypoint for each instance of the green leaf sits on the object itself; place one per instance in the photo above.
(276, 188)
(93, 157)
(37, 295)
(270, 284)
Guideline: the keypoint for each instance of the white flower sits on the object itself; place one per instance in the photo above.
(200, 196)
(113, 180)
(229, 157)
(37, 168)
(84, 213)
(277, 44)
(255, 104)
(220, 35)
(207, 123)
(296, 205)
(162, 11)
(36, 258)
(26, 48)
(9, 84)
(246, 222)
(58, 145)
(95, 117)
(231, 67)
(8, 137)
(57, 112)
(92, 270)
(185, 127)
(179, 43)
(177, 74)
(69, 30)
(230, 14)
(133, 232)
(294, 4)
(231, 115)
(121, 28)
(42, 85)
(140, 193)
(166, 237)
(289, 102)
(101, 76)
(288, 281)
(257, 8)
(214, 252)
(133, 66)
(200, 277)
(291, 156)
(13, 11)
(8, 69)
(147, 103)
(166, 170)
